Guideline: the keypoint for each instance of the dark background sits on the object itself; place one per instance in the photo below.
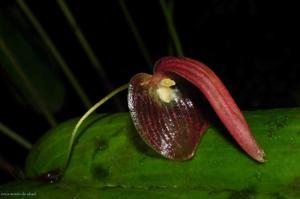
(252, 45)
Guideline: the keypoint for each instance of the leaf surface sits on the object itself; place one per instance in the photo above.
(111, 161)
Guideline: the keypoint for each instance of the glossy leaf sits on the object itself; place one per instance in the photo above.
(49, 191)
(111, 161)
(167, 118)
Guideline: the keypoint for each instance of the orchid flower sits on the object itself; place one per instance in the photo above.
(169, 119)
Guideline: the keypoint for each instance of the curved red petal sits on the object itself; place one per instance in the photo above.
(173, 128)
(218, 96)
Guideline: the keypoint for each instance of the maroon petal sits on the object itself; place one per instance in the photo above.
(165, 116)
(218, 96)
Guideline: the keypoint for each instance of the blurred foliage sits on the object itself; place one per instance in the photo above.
(35, 63)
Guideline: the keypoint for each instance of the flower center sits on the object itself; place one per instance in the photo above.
(165, 93)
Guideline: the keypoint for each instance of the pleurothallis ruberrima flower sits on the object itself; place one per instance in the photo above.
(169, 119)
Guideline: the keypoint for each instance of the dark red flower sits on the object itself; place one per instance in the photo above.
(170, 120)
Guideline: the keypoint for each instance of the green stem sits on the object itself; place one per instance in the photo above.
(171, 26)
(39, 100)
(136, 33)
(64, 66)
(88, 113)
(13, 135)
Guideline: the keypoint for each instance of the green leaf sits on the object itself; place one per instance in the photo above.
(69, 191)
(31, 56)
(111, 161)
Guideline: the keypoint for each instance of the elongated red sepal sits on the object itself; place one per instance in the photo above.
(218, 96)
(170, 123)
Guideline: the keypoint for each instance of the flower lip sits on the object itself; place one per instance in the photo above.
(172, 128)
